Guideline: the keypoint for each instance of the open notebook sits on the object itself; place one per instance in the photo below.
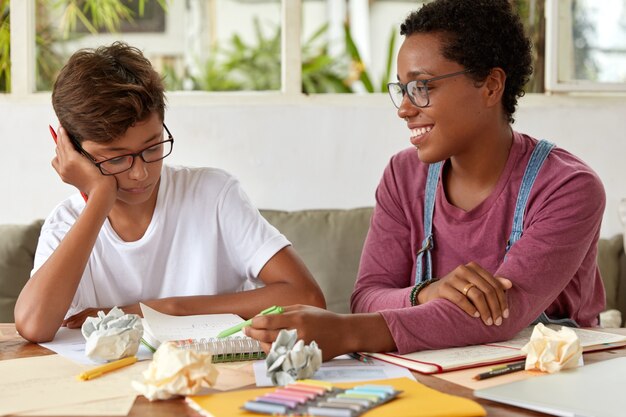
(444, 360)
(199, 332)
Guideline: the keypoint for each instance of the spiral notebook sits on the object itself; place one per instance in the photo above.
(199, 333)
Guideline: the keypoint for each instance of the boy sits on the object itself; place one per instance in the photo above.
(182, 240)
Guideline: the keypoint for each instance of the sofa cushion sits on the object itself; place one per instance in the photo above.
(621, 287)
(609, 251)
(621, 211)
(330, 244)
(17, 251)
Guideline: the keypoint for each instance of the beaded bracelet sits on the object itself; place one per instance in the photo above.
(419, 287)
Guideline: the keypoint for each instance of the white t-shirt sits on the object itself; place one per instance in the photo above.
(205, 238)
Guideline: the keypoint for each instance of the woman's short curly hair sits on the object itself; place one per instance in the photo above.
(480, 35)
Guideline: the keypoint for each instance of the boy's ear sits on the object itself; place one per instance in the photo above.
(494, 86)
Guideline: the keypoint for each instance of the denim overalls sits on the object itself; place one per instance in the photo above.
(537, 158)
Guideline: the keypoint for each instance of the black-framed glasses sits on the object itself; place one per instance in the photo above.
(417, 90)
(119, 164)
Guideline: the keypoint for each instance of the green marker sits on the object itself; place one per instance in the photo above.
(238, 327)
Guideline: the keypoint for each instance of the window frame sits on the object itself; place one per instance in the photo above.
(23, 83)
(552, 83)
(23, 49)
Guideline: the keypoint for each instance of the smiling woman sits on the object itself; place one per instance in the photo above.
(481, 230)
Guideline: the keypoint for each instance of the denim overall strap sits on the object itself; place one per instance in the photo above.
(429, 208)
(539, 155)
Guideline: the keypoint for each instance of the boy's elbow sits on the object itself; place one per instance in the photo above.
(32, 330)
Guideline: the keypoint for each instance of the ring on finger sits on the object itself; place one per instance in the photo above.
(468, 287)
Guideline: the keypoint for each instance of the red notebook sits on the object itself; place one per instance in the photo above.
(444, 360)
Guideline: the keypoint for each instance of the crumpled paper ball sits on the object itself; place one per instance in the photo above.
(611, 319)
(289, 360)
(550, 351)
(175, 371)
(112, 336)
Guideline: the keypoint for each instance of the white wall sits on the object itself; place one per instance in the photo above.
(302, 152)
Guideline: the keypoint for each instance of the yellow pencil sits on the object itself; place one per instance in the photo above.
(108, 367)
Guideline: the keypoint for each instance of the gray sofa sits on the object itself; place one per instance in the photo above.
(329, 241)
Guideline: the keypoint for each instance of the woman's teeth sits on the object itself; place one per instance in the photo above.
(420, 131)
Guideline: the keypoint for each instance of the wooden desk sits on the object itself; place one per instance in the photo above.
(12, 347)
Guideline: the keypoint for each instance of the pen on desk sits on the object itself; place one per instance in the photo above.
(238, 327)
(502, 370)
(108, 367)
(359, 357)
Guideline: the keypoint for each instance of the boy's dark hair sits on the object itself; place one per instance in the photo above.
(102, 92)
(480, 35)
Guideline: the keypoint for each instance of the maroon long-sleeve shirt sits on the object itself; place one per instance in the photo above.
(553, 266)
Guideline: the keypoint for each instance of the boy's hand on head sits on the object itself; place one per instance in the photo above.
(76, 169)
(474, 290)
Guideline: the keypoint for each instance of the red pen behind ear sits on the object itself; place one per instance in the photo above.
(54, 136)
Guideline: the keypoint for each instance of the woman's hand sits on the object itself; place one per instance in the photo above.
(76, 169)
(326, 328)
(474, 290)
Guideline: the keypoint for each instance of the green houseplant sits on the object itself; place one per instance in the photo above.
(95, 15)
(5, 46)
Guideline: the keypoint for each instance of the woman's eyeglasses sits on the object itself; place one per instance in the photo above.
(417, 90)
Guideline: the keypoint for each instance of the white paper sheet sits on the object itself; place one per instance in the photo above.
(46, 382)
(70, 344)
(110, 407)
(343, 369)
(164, 327)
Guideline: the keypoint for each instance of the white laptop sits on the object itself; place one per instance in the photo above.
(596, 390)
